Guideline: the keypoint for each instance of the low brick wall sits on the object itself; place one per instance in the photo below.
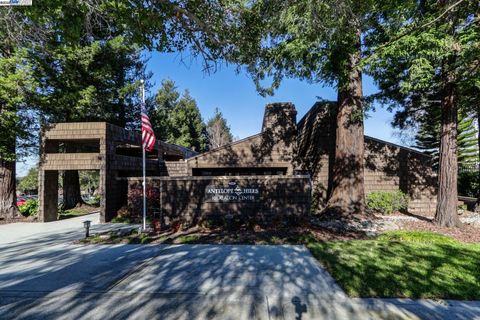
(191, 200)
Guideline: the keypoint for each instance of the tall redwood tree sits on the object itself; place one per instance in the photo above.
(320, 41)
(348, 193)
(432, 54)
(447, 198)
(16, 88)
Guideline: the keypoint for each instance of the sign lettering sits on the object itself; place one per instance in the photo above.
(232, 193)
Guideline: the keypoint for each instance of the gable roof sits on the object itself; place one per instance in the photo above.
(321, 106)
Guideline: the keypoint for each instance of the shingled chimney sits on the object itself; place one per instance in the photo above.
(279, 129)
(281, 119)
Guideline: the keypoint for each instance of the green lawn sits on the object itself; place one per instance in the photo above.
(403, 264)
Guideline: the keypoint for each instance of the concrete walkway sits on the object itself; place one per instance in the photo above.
(44, 276)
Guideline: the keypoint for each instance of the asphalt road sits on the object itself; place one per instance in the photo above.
(44, 276)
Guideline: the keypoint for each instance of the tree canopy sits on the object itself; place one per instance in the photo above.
(165, 100)
(409, 62)
(218, 131)
(29, 183)
(96, 81)
(58, 32)
(321, 41)
(308, 40)
(176, 118)
(56, 63)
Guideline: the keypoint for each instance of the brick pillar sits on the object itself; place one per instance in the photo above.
(102, 191)
(48, 195)
(115, 195)
(106, 149)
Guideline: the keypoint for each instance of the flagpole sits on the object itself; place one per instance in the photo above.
(144, 170)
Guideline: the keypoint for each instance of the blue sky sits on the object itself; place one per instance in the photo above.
(234, 94)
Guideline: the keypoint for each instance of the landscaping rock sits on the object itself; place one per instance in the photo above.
(471, 218)
(342, 225)
(387, 225)
(371, 226)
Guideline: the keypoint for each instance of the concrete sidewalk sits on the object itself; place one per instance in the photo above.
(428, 309)
(44, 276)
(58, 232)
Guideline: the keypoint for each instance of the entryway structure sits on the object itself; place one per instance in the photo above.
(112, 150)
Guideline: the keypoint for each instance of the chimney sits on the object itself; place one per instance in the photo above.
(280, 118)
(279, 130)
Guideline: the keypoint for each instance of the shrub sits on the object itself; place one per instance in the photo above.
(94, 201)
(468, 183)
(135, 201)
(29, 208)
(387, 202)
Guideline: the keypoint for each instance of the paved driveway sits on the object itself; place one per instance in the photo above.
(44, 276)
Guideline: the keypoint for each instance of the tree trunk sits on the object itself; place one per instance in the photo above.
(8, 206)
(71, 190)
(477, 205)
(447, 199)
(8, 182)
(348, 195)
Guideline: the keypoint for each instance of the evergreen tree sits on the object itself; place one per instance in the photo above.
(89, 181)
(187, 127)
(428, 137)
(320, 41)
(218, 131)
(176, 119)
(467, 139)
(17, 87)
(26, 32)
(97, 81)
(432, 53)
(165, 101)
(200, 27)
(471, 101)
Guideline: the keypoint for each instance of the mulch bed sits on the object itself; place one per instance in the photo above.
(197, 235)
(301, 234)
(277, 236)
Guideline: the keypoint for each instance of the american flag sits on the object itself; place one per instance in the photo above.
(148, 136)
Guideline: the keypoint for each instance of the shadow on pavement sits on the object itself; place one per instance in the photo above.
(44, 276)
